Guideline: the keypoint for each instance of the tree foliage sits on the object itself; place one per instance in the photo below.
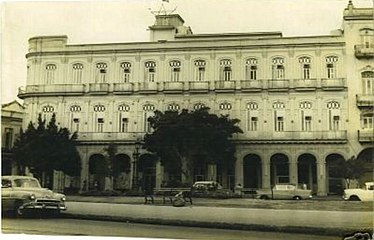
(46, 148)
(183, 139)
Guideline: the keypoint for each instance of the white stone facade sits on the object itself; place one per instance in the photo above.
(303, 101)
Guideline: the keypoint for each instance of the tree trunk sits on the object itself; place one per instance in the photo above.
(187, 173)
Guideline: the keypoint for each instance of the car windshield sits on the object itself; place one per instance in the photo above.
(27, 183)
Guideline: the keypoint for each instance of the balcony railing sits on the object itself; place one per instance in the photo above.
(123, 88)
(305, 84)
(109, 136)
(366, 136)
(224, 85)
(296, 136)
(52, 89)
(278, 85)
(251, 85)
(199, 86)
(173, 86)
(148, 87)
(364, 51)
(332, 83)
(98, 88)
(365, 100)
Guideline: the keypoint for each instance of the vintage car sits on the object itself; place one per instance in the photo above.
(360, 194)
(209, 189)
(285, 191)
(20, 194)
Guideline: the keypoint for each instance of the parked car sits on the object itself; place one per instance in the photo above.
(285, 191)
(360, 194)
(22, 193)
(209, 189)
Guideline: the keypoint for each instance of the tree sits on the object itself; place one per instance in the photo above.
(353, 169)
(47, 148)
(111, 152)
(181, 140)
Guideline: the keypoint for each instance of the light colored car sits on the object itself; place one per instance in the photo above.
(209, 189)
(285, 191)
(22, 193)
(360, 194)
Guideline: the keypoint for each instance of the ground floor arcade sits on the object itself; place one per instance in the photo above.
(261, 166)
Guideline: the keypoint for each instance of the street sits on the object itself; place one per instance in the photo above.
(74, 227)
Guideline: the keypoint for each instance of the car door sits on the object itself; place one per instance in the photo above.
(7, 200)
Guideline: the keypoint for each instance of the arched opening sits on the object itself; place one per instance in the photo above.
(307, 171)
(367, 156)
(98, 169)
(252, 171)
(147, 172)
(334, 176)
(279, 169)
(121, 172)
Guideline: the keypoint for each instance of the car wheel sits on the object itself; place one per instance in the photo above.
(354, 198)
(265, 197)
(297, 198)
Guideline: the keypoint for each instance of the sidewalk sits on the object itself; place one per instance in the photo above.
(235, 216)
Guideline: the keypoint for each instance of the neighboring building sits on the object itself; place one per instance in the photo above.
(12, 115)
(305, 103)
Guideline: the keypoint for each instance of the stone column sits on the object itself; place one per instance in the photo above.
(239, 171)
(159, 174)
(265, 174)
(84, 172)
(321, 178)
(212, 172)
(293, 172)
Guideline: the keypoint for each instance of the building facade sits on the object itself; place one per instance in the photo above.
(11, 123)
(305, 103)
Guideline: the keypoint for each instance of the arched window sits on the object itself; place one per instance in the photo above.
(150, 71)
(175, 70)
(367, 120)
(252, 116)
(368, 82)
(123, 113)
(331, 66)
(305, 67)
(50, 72)
(75, 111)
(148, 112)
(334, 115)
(225, 70)
(278, 68)
(306, 116)
(77, 72)
(200, 70)
(101, 72)
(251, 69)
(279, 116)
(125, 71)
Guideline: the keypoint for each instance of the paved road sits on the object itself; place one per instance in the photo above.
(330, 220)
(104, 228)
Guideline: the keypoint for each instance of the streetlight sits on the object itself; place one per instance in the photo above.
(135, 155)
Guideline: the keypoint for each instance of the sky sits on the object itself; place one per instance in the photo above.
(127, 21)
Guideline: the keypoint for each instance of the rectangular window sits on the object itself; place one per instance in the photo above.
(8, 138)
(251, 72)
(368, 122)
(306, 71)
(124, 125)
(279, 124)
(126, 75)
(175, 72)
(330, 70)
(100, 124)
(151, 74)
(227, 73)
(75, 125)
(253, 124)
(334, 123)
(200, 74)
(77, 75)
(307, 123)
(368, 86)
(278, 72)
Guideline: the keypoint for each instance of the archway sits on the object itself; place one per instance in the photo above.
(121, 172)
(252, 171)
(334, 176)
(279, 169)
(147, 172)
(307, 171)
(367, 156)
(97, 168)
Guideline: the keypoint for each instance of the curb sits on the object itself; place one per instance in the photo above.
(232, 226)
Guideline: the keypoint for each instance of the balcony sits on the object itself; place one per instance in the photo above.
(365, 100)
(173, 87)
(277, 85)
(51, 90)
(364, 51)
(305, 84)
(366, 136)
(251, 85)
(295, 137)
(224, 86)
(332, 83)
(148, 87)
(123, 88)
(98, 88)
(109, 136)
(199, 87)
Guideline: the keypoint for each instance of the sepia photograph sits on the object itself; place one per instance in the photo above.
(187, 119)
